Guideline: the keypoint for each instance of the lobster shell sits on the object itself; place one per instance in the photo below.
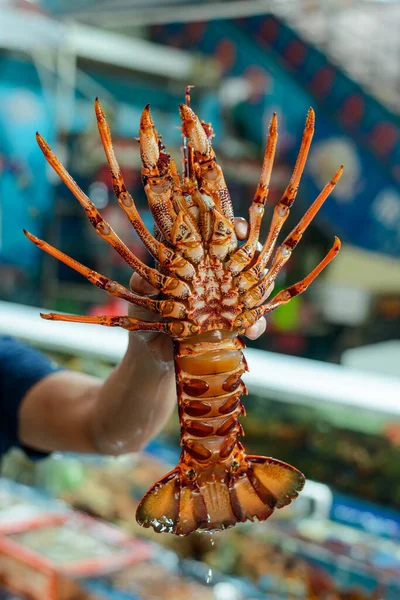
(212, 289)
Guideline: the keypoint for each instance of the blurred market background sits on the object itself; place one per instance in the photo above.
(325, 379)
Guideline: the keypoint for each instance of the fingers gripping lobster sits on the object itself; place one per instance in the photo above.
(212, 289)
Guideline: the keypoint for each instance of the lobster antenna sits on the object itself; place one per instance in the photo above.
(187, 152)
(187, 94)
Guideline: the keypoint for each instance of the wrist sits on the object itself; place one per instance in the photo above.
(147, 346)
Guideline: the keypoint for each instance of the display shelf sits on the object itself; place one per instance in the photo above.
(287, 378)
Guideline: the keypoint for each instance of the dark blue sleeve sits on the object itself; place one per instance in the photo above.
(21, 367)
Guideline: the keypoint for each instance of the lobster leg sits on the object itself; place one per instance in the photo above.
(183, 201)
(175, 329)
(187, 151)
(165, 198)
(167, 308)
(249, 317)
(129, 323)
(283, 253)
(255, 295)
(168, 285)
(223, 237)
(296, 234)
(209, 172)
(244, 255)
(206, 213)
(124, 198)
(157, 180)
(166, 256)
(281, 210)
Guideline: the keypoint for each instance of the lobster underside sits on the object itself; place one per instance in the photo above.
(211, 289)
(215, 484)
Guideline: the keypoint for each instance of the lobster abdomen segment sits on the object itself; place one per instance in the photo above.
(215, 484)
(208, 371)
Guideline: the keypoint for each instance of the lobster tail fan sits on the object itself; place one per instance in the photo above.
(192, 509)
(220, 500)
(172, 506)
(275, 479)
(160, 506)
(266, 484)
(246, 502)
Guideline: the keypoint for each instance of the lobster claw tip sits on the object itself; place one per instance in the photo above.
(337, 244)
(46, 316)
(43, 145)
(98, 110)
(149, 143)
(31, 237)
(310, 117)
(146, 120)
(273, 123)
(194, 130)
(186, 113)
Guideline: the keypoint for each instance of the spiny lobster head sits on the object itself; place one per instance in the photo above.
(208, 282)
(194, 218)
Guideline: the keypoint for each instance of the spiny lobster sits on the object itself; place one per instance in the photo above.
(212, 289)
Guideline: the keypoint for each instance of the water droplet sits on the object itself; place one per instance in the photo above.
(209, 577)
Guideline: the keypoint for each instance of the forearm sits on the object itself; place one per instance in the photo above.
(69, 411)
(134, 403)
